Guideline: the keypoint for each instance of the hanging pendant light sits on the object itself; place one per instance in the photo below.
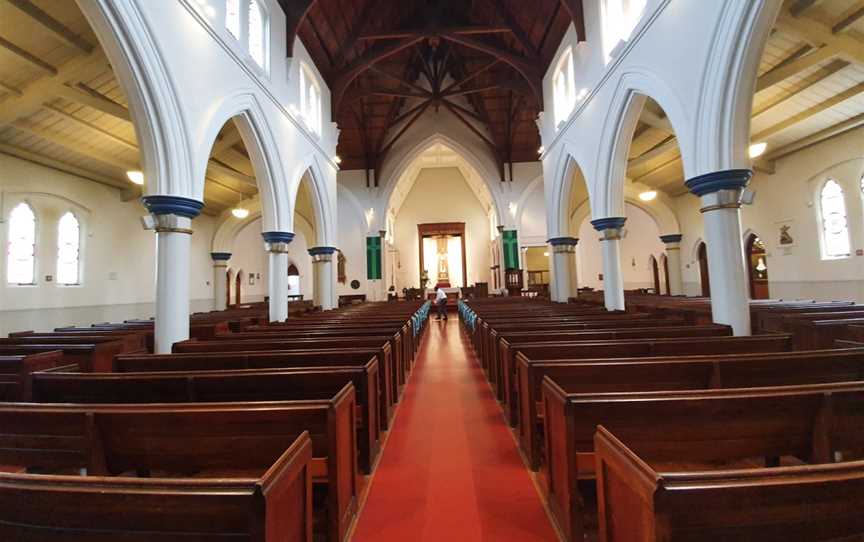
(240, 211)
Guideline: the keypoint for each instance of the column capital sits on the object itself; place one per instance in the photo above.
(277, 241)
(172, 205)
(220, 256)
(671, 238)
(609, 223)
(316, 251)
(557, 241)
(709, 183)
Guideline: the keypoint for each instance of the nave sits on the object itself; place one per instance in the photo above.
(451, 469)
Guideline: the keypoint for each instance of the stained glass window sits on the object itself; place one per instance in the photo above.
(68, 249)
(835, 229)
(21, 250)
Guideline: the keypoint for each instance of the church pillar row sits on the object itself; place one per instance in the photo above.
(673, 262)
(276, 245)
(563, 268)
(610, 243)
(220, 279)
(172, 220)
(720, 193)
(322, 277)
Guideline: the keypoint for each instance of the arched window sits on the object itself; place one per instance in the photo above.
(257, 33)
(563, 85)
(310, 98)
(293, 280)
(21, 252)
(68, 249)
(232, 17)
(835, 230)
(619, 19)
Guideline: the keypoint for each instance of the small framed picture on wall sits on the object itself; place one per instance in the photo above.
(251, 279)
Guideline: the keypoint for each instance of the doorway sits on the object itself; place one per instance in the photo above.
(238, 287)
(655, 273)
(703, 270)
(757, 267)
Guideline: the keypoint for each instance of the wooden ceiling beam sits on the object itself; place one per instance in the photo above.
(817, 137)
(93, 100)
(471, 127)
(58, 165)
(810, 112)
(130, 145)
(372, 12)
(816, 77)
(513, 25)
(800, 6)
(404, 128)
(26, 56)
(668, 145)
(473, 75)
(787, 70)
(10, 89)
(295, 12)
(577, 16)
(37, 92)
(58, 29)
(401, 80)
(850, 17)
(108, 158)
(817, 34)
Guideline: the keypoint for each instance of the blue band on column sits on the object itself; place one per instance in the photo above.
(317, 251)
(556, 241)
(609, 223)
(277, 236)
(730, 179)
(220, 256)
(672, 238)
(173, 205)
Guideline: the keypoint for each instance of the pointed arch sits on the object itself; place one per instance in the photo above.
(245, 110)
(325, 221)
(566, 170)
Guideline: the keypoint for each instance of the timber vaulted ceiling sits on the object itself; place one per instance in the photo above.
(387, 62)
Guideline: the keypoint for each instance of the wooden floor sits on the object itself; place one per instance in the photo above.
(450, 469)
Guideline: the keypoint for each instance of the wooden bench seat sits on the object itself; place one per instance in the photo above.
(183, 440)
(89, 356)
(273, 506)
(674, 373)
(810, 422)
(133, 341)
(626, 348)
(258, 359)
(16, 372)
(638, 500)
(223, 386)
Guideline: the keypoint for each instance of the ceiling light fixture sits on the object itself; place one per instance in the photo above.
(337, 159)
(648, 195)
(541, 150)
(240, 211)
(136, 177)
(757, 149)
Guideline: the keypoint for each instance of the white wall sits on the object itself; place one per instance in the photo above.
(791, 193)
(441, 195)
(118, 255)
(642, 241)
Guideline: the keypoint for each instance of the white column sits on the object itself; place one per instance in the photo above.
(563, 251)
(276, 245)
(172, 219)
(673, 262)
(322, 277)
(613, 280)
(720, 194)
(220, 279)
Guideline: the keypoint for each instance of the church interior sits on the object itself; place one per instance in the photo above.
(476, 270)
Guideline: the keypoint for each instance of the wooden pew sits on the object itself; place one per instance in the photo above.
(16, 372)
(696, 430)
(627, 348)
(811, 334)
(271, 506)
(223, 386)
(89, 356)
(221, 440)
(133, 341)
(504, 367)
(674, 373)
(380, 343)
(295, 359)
(638, 501)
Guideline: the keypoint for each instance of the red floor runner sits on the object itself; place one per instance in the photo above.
(450, 470)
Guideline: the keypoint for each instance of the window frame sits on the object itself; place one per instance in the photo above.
(239, 35)
(822, 221)
(564, 68)
(243, 41)
(79, 258)
(35, 277)
(308, 78)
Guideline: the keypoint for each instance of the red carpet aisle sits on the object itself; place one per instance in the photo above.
(451, 470)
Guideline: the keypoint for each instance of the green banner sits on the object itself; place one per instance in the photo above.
(373, 258)
(511, 249)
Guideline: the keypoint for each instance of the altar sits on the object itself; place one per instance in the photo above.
(442, 256)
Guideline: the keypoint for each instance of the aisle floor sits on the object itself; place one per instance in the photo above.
(450, 469)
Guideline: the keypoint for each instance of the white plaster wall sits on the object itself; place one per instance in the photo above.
(441, 195)
(118, 255)
(791, 193)
(532, 220)
(642, 241)
(352, 235)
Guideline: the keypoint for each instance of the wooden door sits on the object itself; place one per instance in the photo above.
(703, 270)
(227, 288)
(656, 274)
(665, 261)
(238, 286)
(757, 268)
